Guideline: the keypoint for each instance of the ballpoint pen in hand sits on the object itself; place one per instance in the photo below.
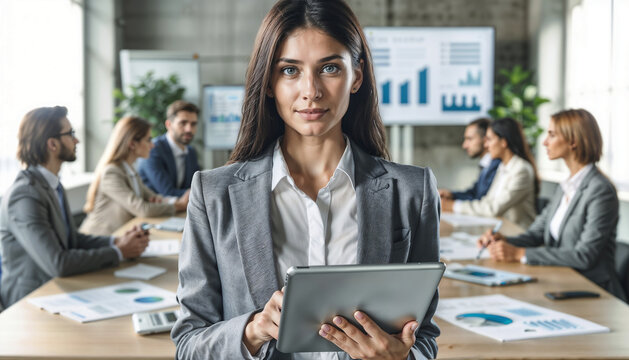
(493, 231)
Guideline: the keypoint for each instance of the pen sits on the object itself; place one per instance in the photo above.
(493, 231)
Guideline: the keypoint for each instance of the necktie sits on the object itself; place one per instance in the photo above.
(63, 209)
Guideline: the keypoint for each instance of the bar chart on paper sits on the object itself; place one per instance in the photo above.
(432, 75)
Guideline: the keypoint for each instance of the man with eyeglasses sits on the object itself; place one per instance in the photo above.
(38, 237)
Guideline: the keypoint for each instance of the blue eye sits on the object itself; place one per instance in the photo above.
(330, 69)
(290, 71)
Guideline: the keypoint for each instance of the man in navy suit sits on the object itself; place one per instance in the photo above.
(168, 170)
(474, 144)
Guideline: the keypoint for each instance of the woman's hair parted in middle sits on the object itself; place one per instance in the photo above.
(261, 124)
(511, 130)
(127, 130)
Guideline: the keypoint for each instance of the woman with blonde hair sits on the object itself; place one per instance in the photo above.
(578, 227)
(117, 193)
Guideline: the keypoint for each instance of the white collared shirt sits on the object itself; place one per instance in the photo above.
(309, 232)
(569, 187)
(180, 159)
(485, 161)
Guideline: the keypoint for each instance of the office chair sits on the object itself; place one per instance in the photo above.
(622, 265)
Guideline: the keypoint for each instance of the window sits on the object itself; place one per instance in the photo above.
(597, 75)
(41, 64)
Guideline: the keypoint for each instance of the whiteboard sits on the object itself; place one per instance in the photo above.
(134, 64)
(222, 113)
(433, 75)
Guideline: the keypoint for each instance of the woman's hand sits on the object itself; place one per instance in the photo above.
(489, 238)
(447, 205)
(503, 251)
(375, 344)
(182, 202)
(264, 326)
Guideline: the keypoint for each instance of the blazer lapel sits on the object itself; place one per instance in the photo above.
(573, 202)
(58, 221)
(374, 202)
(552, 206)
(251, 206)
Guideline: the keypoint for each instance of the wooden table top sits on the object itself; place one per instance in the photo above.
(30, 333)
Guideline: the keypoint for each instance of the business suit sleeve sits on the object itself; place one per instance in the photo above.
(516, 188)
(469, 194)
(534, 235)
(31, 226)
(201, 331)
(599, 223)
(114, 185)
(154, 169)
(425, 248)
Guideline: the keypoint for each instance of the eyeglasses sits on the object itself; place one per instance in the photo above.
(71, 132)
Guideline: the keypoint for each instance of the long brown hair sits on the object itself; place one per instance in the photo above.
(511, 131)
(261, 125)
(579, 127)
(127, 130)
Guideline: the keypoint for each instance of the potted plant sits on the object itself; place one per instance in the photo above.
(516, 97)
(149, 99)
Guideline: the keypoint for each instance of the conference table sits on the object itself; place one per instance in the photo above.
(26, 332)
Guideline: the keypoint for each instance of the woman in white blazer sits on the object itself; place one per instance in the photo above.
(514, 188)
(117, 193)
(307, 185)
(578, 227)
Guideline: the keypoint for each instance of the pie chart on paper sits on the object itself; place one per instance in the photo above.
(148, 299)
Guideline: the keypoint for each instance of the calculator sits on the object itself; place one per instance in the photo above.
(154, 322)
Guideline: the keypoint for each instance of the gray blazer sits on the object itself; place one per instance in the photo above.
(34, 243)
(587, 235)
(227, 267)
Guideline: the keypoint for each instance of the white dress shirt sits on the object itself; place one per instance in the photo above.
(313, 232)
(485, 161)
(180, 159)
(569, 187)
(53, 181)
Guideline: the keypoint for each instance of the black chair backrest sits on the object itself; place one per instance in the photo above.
(622, 265)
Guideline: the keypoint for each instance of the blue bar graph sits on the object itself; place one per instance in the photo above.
(404, 93)
(386, 92)
(470, 80)
(423, 86)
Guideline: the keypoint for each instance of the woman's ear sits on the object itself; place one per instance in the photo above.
(358, 77)
(269, 92)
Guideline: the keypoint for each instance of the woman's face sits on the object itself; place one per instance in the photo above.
(143, 146)
(556, 145)
(312, 81)
(495, 144)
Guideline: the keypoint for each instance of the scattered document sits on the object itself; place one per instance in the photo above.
(461, 221)
(506, 319)
(172, 224)
(161, 248)
(460, 246)
(485, 275)
(140, 272)
(107, 302)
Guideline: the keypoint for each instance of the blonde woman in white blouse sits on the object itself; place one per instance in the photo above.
(513, 191)
(117, 193)
(578, 227)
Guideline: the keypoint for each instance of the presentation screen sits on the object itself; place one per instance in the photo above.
(222, 111)
(433, 75)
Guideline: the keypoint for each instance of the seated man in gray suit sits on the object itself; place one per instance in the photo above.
(38, 237)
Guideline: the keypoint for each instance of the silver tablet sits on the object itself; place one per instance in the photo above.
(391, 294)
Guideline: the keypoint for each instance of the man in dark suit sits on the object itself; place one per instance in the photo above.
(168, 170)
(474, 144)
(38, 237)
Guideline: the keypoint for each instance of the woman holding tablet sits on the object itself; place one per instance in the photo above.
(512, 192)
(578, 227)
(306, 185)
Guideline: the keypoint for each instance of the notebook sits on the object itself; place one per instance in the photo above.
(485, 275)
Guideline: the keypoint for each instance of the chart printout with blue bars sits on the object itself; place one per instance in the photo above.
(433, 75)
